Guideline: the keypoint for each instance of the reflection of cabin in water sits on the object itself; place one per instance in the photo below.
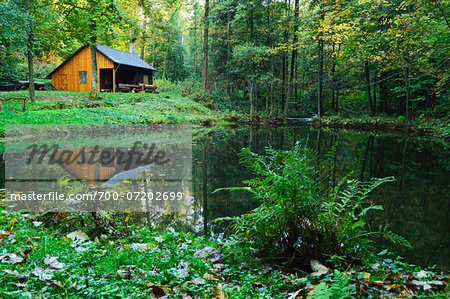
(115, 69)
(101, 166)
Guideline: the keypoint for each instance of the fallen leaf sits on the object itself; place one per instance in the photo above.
(54, 284)
(140, 246)
(43, 274)
(27, 251)
(366, 275)
(203, 252)
(318, 268)
(78, 235)
(11, 258)
(11, 272)
(37, 223)
(294, 295)
(421, 274)
(158, 291)
(209, 277)
(198, 280)
(52, 262)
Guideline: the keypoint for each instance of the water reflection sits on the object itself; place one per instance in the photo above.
(416, 206)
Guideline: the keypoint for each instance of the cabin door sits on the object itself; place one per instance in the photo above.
(62, 82)
(106, 79)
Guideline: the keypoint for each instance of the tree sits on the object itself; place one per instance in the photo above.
(205, 46)
(293, 58)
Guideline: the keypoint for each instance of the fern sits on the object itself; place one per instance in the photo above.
(298, 213)
(340, 288)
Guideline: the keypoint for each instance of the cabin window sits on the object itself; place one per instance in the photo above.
(82, 77)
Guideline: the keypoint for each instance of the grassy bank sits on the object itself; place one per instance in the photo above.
(439, 128)
(58, 107)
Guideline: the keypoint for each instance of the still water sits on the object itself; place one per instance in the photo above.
(417, 204)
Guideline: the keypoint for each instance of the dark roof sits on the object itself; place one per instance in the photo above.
(122, 57)
(116, 56)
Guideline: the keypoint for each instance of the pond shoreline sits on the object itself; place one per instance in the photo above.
(377, 124)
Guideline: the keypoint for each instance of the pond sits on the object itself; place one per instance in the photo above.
(417, 204)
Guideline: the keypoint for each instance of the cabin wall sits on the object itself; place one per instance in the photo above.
(67, 77)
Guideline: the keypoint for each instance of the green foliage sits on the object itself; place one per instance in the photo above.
(12, 40)
(340, 288)
(298, 214)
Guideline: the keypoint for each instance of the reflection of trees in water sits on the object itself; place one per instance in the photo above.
(417, 205)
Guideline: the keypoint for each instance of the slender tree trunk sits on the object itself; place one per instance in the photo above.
(383, 91)
(293, 59)
(320, 77)
(284, 61)
(408, 92)
(228, 47)
(338, 85)
(205, 189)
(143, 41)
(252, 98)
(94, 81)
(132, 40)
(374, 98)
(30, 53)
(366, 152)
(205, 47)
(333, 82)
(165, 58)
(369, 96)
(153, 47)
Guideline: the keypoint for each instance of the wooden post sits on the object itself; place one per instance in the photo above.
(9, 104)
(1, 104)
(114, 80)
(23, 105)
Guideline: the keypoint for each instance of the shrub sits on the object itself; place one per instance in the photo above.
(298, 215)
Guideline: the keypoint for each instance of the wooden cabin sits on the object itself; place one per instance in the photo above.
(114, 67)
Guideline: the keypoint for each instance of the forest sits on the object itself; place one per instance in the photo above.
(297, 58)
(297, 149)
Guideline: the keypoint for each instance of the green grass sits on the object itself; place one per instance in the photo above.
(58, 107)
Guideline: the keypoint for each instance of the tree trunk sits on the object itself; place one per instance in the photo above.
(374, 105)
(153, 47)
(408, 92)
(383, 91)
(30, 53)
(143, 41)
(284, 62)
(333, 82)
(228, 47)
(205, 189)
(132, 40)
(369, 97)
(338, 85)
(205, 47)
(320, 77)
(252, 99)
(293, 59)
(94, 81)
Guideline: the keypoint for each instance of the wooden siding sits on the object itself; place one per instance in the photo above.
(66, 78)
